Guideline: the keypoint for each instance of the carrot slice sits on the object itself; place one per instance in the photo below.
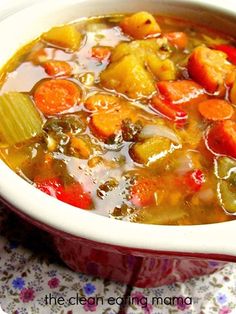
(101, 53)
(143, 192)
(177, 39)
(57, 68)
(169, 110)
(221, 138)
(216, 109)
(106, 124)
(209, 68)
(183, 92)
(55, 96)
(100, 101)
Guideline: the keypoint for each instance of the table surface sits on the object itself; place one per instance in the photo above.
(30, 272)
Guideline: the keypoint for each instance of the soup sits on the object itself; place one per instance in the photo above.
(128, 116)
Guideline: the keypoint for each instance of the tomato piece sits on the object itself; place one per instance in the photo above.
(216, 109)
(221, 138)
(169, 110)
(143, 191)
(55, 96)
(183, 92)
(57, 68)
(194, 180)
(177, 39)
(101, 53)
(229, 50)
(50, 186)
(209, 68)
(74, 195)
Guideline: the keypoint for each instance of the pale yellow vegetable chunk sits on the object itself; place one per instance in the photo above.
(164, 70)
(140, 25)
(128, 76)
(151, 55)
(152, 150)
(65, 36)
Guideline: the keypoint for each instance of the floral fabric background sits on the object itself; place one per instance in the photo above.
(30, 270)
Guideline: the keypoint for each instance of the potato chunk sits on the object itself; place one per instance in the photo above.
(140, 25)
(65, 36)
(128, 76)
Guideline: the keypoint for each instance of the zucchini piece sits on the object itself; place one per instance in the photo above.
(20, 120)
(225, 168)
(227, 196)
(152, 151)
(65, 36)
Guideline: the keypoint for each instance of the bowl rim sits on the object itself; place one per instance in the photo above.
(208, 239)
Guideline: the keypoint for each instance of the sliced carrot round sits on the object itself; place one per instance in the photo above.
(55, 96)
(216, 109)
(57, 68)
(101, 101)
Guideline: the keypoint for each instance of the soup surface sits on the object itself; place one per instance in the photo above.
(129, 116)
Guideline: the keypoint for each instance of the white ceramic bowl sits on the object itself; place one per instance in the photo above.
(29, 23)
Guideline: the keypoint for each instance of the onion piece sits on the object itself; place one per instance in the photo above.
(159, 130)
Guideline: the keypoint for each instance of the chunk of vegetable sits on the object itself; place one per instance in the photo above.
(216, 109)
(225, 168)
(55, 96)
(101, 53)
(81, 147)
(65, 36)
(75, 195)
(177, 39)
(221, 138)
(229, 50)
(142, 49)
(227, 196)
(20, 120)
(107, 124)
(101, 102)
(57, 68)
(183, 92)
(145, 191)
(209, 68)
(72, 194)
(168, 110)
(194, 180)
(163, 70)
(51, 186)
(69, 123)
(152, 150)
(140, 25)
(128, 76)
(159, 130)
(152, 53)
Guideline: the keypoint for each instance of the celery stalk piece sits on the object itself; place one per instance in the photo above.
(19, 119)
